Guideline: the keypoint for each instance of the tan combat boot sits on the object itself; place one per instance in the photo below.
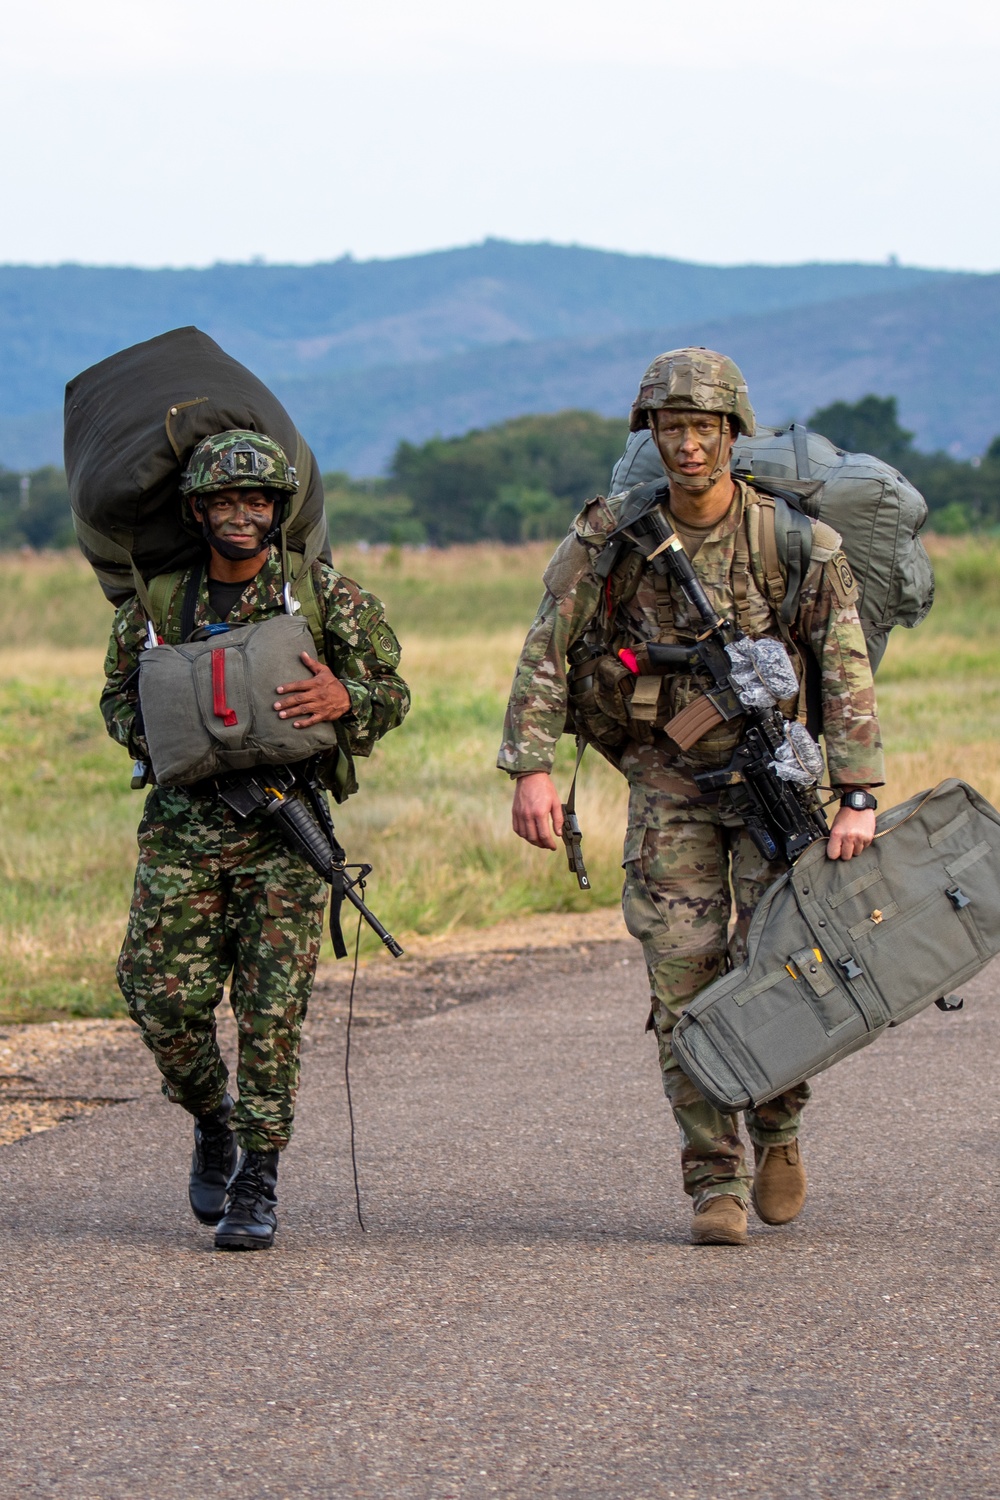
(779, 1182)
(720, 1221)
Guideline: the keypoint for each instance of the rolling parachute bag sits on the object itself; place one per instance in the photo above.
(131, 423)
(840, 950)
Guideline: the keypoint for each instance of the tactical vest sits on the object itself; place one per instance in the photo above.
(610, 707)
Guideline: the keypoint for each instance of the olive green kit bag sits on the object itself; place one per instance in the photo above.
(840, 950)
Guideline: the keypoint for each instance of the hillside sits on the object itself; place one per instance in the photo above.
(366, 353)
(934, 347)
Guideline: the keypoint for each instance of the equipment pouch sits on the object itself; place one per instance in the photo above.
(598, 709)
(208, 706)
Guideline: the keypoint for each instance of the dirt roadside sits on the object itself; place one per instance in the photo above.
(60, 1071)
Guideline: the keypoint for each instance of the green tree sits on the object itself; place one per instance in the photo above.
(34, 509)
(369, 510)
(870, 425)
(520, 479)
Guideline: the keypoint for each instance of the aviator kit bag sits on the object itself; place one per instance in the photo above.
(840, 950)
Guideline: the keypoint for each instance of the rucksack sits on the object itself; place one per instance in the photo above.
(876, 510)
(131, 423)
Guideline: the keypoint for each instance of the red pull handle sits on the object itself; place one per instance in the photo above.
(220, 707)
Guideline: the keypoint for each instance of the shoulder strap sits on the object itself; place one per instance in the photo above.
(190, 602)
(784, 553)
(304, 589)
(780, 561)
(160, 594)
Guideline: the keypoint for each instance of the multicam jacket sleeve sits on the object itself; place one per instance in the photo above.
(828, 620)
(536, 709)
(120, 698)
(361, 649)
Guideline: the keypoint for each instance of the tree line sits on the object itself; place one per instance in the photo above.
(525, 479)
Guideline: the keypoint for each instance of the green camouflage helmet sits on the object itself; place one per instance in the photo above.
(693, 380)
(249, 460)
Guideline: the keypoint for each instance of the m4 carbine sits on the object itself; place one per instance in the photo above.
(770, 781)
(305, 822)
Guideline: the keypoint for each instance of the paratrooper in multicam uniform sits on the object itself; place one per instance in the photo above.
(218, 897)
(690, 868)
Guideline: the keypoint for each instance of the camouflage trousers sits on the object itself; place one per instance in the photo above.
(692, 883)
(218, 898)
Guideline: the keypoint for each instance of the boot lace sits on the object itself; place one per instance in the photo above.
(249, 1185)
(213, 1149)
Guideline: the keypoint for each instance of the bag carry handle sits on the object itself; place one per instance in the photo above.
(220, 707)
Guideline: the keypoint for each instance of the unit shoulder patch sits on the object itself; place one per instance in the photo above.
(844, 583)
(385, 644)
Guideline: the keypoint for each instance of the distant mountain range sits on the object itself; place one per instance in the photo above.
(366, 353)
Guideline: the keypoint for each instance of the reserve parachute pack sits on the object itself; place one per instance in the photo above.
(131, 425)
(838, 951)
(875, 509)
(208, 705)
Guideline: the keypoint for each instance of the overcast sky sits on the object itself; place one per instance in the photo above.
(300, 130)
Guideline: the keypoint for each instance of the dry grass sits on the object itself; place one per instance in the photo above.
(434, 814)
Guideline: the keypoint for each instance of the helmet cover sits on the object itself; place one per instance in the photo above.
(693, 380)
(246, 460)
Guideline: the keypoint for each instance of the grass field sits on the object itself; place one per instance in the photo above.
(433, 816)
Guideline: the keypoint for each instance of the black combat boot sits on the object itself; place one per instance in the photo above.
(250, 1219)
(213, 1163)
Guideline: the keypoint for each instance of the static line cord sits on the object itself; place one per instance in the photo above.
(347, 1072)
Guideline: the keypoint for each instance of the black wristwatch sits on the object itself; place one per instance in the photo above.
(859, 800)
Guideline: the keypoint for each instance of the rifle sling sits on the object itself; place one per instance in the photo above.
(572, 834)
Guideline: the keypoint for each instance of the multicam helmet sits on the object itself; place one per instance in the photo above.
(693, 380)
(249, 460)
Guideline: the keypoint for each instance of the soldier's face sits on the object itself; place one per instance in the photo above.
(690, 441)
(240, 516)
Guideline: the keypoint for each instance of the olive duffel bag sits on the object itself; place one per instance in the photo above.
(838, 950)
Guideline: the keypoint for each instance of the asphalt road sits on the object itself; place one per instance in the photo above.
(524, 1316)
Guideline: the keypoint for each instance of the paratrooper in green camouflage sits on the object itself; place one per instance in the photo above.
(221, 897)
(203, 873)
(693, 876)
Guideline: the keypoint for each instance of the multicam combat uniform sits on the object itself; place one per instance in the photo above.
(686, 864)
(215, 893)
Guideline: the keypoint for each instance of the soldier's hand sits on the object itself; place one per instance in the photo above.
(537, 812)
(851, 833)
(321, 698)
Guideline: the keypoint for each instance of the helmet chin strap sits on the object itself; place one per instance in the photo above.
(684, 481)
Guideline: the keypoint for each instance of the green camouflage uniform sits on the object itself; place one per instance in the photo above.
(217, 895)
(686, 864)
